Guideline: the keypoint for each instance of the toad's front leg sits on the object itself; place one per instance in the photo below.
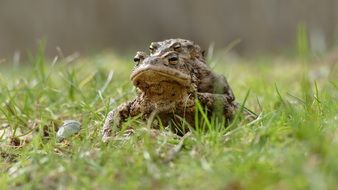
(116, 117)
(219, 103)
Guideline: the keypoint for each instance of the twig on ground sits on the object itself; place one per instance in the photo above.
(174, 151)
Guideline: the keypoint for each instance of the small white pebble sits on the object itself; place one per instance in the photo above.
(69, 128)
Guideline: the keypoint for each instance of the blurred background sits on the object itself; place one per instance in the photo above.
(87, 26)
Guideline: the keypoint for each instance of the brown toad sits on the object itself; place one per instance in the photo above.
(169, 82)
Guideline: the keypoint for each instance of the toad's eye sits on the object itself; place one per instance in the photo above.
(152, 47)
(139, 57)
(173, 59)
(177, 47)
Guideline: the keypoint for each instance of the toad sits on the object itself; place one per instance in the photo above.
(170, 81)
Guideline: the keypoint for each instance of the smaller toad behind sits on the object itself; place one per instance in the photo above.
(169, 82)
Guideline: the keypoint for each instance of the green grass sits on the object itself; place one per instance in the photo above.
(293, 144)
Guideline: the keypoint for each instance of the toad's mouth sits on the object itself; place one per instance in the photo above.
(154, 75)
